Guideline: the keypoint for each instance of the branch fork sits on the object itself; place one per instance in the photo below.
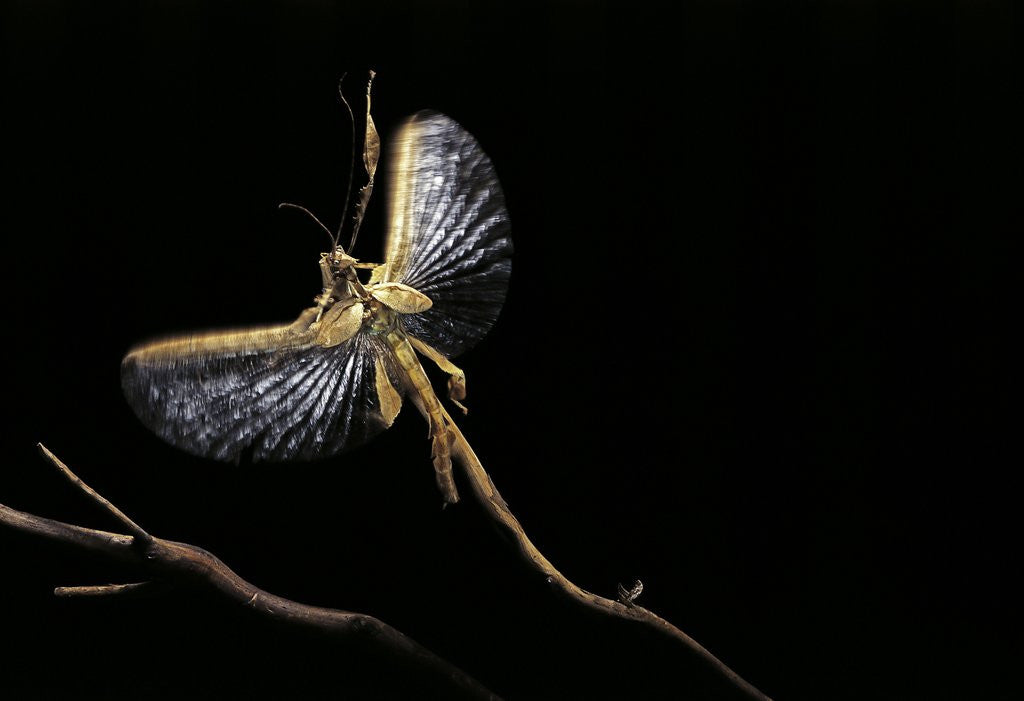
(170, 563)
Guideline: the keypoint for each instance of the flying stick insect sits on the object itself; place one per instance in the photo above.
(336, 376)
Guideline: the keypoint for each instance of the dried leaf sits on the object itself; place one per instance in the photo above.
(371, 149)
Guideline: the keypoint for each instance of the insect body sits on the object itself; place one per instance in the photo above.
(336, 376)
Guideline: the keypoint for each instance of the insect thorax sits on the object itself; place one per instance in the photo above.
(379, 319)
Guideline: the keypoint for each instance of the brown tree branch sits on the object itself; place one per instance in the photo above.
(179, 563)
(123, 590)
(497, 510)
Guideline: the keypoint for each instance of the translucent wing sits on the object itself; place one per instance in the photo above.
(267, 393)
(449, 231)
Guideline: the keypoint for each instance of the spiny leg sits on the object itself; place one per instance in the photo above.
(456, 379)
(441, 456)
(440, 450)
(294, 333)
(304, 320)
(421, 393)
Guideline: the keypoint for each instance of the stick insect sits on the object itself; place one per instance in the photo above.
(336, 376)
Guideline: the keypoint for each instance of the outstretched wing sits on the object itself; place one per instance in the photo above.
(449, 231)
(266, 393)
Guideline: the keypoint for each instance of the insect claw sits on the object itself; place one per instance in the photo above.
(457, 390)
(628, 596)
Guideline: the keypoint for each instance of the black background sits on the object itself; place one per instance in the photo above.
(753, 351)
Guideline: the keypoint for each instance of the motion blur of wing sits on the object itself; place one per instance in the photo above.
(265, 392)
(449, 231)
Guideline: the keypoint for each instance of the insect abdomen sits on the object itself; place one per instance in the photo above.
(418, 380)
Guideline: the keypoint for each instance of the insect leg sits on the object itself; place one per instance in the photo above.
(441, 456)
(302, 322)
(422, 396)
(441, 442)
(457, 379)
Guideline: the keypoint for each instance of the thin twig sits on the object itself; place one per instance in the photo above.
(129, 589)
(135, 529)
(168, 562)
(497, 509)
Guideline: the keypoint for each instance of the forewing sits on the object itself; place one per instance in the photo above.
(266, 393)
(449, 232)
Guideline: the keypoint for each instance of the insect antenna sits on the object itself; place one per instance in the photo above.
(371, 154)
(330, 236)
(351, 165)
